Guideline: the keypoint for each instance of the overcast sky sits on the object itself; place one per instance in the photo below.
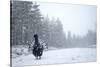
(75, 18)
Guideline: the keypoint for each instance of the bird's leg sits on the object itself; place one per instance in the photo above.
(39, 57)
(36, 57)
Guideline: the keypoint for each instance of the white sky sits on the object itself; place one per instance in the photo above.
(75, 18)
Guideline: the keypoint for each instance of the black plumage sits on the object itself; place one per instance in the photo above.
(37, 48)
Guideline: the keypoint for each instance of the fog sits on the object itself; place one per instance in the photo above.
(58, 25)
(77, 19)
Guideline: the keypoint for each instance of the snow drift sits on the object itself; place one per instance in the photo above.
(68, 55)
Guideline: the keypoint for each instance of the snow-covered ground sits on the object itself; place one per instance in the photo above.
(68, 55)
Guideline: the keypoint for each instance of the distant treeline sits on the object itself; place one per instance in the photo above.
(27, 20)
(88, 40)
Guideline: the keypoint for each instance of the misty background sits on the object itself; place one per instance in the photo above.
(58, 25)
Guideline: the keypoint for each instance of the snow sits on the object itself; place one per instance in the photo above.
(68, 55)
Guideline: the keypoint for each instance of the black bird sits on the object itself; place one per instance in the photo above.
(37, 48)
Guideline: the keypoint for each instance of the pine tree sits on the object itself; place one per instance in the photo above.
(25, 21)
